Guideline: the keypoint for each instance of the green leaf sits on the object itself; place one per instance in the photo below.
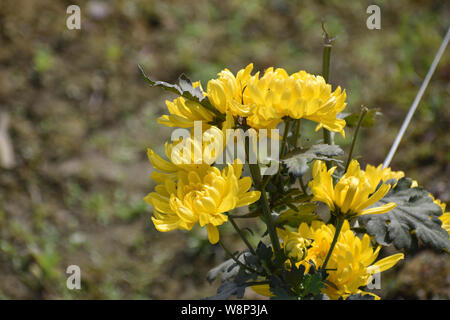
(280, 290)
(297, 162)
(313, 284)
(228, 269)
(184, 88)
(368, 121)
(414, 217)
(264, 252)
(228, 289)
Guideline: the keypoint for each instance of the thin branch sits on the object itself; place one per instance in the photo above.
(355, 135)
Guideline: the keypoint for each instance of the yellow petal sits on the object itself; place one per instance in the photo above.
(213, 233)
(385, 263)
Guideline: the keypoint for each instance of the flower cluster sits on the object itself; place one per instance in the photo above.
(352, 261)
(264, 100)
(191, 189)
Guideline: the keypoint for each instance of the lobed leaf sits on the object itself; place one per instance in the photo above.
(184, 88)
(415, 217)
(297, 163)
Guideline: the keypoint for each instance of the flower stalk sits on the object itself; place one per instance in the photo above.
(327, 45)
(339, 223)
(355, 136)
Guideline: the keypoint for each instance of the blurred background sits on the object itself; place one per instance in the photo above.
(76, 119)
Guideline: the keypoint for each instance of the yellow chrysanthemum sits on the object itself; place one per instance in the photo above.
(188, 154)
(315, 101)
(200, 197)
(295, 246)
(352, 258)
(226, 92)
(352, 194)
(264, 96)
(183, 113)
(300, 95)
(375, 174)
(351, 264)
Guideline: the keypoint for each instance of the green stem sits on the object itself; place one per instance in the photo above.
(258, 183)
(285, 134)
(302, 185)
(355, 136)
(297, 133)
(339, 223)
(256, 177)
(235, 259)
(327, 45)
(241, 234)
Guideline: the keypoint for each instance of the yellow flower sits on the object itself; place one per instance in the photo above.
(300, 95)
(200, 197)
(352, 194)
(314, 100)
(294, 245)
(445, 218)
(352, 257)
(264, 96)
(202, 154)
(351, 264)
(183, 113)
(375, 174)
(226, 92)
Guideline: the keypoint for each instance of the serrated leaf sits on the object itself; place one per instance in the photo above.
(313, 284)
(414, 217)
(297, 163)
(227, 269)
(184, 88)
(228, 289)
(264, 252)
(280, 291)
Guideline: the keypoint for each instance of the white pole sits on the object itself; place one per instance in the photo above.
(413, 108)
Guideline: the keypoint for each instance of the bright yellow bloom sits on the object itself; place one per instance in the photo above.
(188, 154)
(375, 174)
(264, 96)
(226, 92)
(294, 245)
(351, 264)
(315, 101)
(300, 95)
(183, 113)
(352, 194)
(352, 257)
(200, 197)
